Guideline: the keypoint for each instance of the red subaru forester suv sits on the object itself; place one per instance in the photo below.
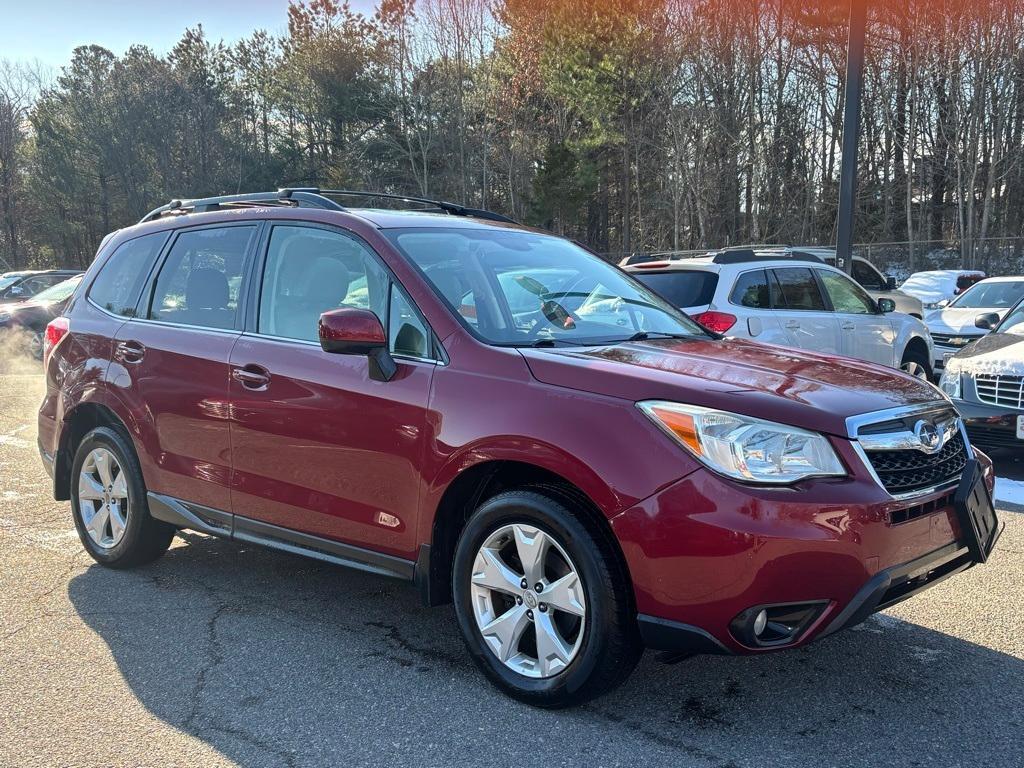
(503, 419)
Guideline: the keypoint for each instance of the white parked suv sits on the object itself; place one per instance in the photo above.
(794, 301)
(952, 324)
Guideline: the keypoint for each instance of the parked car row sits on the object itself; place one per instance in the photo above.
(30, 317)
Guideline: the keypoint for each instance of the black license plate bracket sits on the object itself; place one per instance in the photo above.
(976, 513)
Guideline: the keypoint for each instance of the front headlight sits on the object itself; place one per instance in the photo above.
(745, 448)
(949, 383)
(4, 317)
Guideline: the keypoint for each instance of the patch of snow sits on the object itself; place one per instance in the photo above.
(1010, 491)
(935, 285)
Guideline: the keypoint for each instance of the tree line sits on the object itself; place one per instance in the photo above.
(631, 125)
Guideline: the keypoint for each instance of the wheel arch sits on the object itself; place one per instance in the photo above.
(77, 423)
(486, 479)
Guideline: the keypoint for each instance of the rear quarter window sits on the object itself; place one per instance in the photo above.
(683, 288)
(751, 290)
(119, 283)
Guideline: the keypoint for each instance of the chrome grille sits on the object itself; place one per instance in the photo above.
(1007, 391)
(912, 451)
(908, 471)
(955, 340)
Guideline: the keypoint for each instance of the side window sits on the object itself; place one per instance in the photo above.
(200, 279)
(799, 290)
(310, 271)
(407, 334)
(867, 276)
(847, 297)
(119, 284)
(751, 290)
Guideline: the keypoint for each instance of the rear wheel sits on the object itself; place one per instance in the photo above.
(543, 604)
(108, 501)
(916, 363)
(34, 344)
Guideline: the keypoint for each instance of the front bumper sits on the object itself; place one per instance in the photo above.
(705, 550)
(990, 426)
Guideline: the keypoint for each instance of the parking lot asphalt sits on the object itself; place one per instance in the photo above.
(221, 653)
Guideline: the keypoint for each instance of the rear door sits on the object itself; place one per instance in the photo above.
(865, 333)
(173, 362)
(801, 309)
(319, 447)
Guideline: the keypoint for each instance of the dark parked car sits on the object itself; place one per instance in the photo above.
(18, 286)
(503, 419)
(986, 381)
(31, 317)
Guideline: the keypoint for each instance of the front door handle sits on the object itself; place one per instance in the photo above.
(793, 325)
(253, 377)
(130, 352)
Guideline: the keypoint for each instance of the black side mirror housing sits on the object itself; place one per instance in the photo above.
(890, 283)
(987, 321)
(885, 306)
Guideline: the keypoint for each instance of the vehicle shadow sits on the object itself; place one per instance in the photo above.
(277, 660)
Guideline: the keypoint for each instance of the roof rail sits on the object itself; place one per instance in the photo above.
(750, 256)
(281, 197)
(309, 197)
(453, 209)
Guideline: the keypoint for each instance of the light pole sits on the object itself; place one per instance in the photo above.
(851, 134)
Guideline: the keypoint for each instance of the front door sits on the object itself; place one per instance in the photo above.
(319, 447)
(865, 333)
(173, 360)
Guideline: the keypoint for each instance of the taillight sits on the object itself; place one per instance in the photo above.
(719, 322)
(56, 330)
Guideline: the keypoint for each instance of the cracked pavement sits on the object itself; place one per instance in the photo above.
(223, 654)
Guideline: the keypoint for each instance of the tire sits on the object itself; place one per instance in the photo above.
(917, 364)
(127, 536)
(605, 642)
(34, 344)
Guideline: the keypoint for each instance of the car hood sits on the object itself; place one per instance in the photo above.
(999, 354)
(954, 320)
(806, 390)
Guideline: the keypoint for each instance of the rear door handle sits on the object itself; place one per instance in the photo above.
(848, 325)
(253, 377)
(130, 352)
(793, 325)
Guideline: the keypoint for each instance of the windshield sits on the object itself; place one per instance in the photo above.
(57, 292)
(521, 289)
(990, 296)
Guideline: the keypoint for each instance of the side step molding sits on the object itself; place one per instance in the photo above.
(228, 526)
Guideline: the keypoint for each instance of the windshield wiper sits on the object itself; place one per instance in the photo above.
(645, 335)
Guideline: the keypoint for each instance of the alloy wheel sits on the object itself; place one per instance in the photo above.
(528, 600)
(103, 501)
(915, 369)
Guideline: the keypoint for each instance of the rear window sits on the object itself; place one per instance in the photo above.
(751, 290)
(681, 288)
(118, 285)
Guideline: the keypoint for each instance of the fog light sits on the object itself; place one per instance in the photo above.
(760, 622)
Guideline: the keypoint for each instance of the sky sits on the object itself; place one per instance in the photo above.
(48, 30)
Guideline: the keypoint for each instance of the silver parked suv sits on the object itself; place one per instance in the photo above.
(791, 300)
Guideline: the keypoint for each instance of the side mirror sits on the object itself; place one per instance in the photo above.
(885, 306)
(890, 283)
(357, 332)
(987, 321)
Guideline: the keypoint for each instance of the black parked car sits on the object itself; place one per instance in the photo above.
(19, 286)
(32, 316)
(986, 381)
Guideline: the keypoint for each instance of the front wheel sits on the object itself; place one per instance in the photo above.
(917, 364)
(543, 603)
